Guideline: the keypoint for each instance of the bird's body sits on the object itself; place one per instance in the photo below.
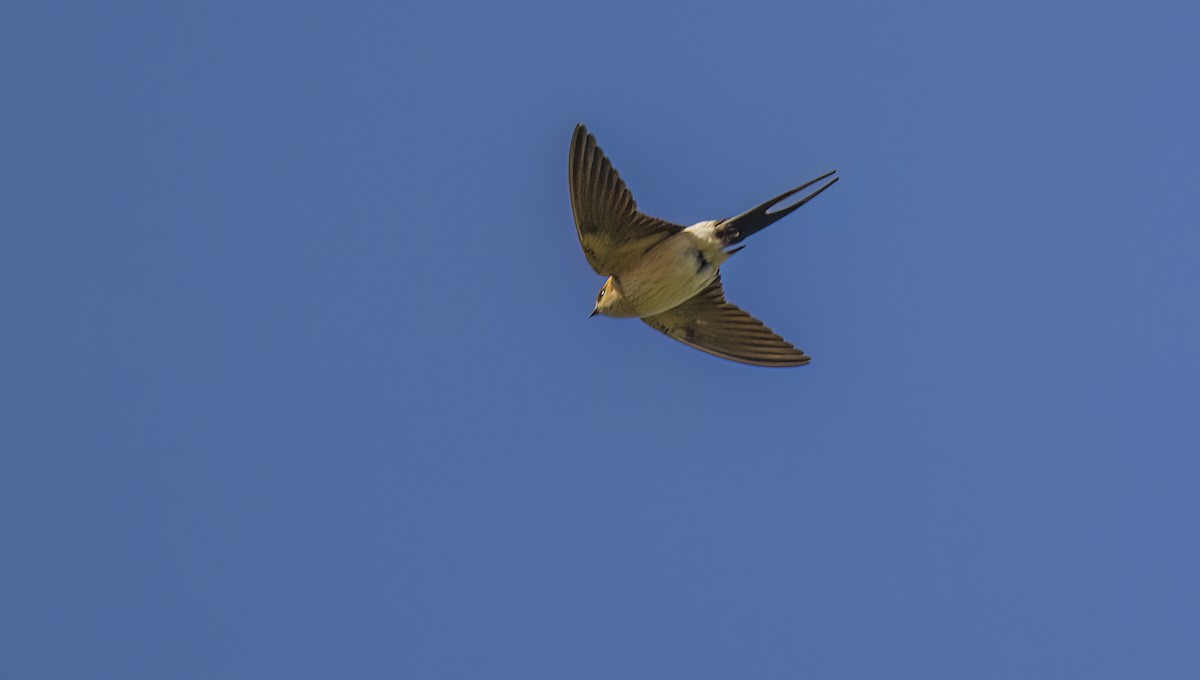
(667, 274)
(670, 273)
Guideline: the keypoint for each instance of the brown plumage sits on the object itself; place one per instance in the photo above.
(668, 274)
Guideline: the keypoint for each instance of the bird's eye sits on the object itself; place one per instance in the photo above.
(601, 295)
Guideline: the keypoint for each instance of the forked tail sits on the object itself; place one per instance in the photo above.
(737, 229)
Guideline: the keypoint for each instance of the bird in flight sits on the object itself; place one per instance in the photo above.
(668, 274)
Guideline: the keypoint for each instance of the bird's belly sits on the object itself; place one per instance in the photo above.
(669, 275)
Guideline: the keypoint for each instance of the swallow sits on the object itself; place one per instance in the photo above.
(667, 274)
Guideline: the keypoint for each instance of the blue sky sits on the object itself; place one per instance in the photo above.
(297, 380)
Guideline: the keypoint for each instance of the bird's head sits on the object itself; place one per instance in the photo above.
(610, 302)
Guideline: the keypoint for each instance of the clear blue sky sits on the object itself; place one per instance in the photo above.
(297, 380)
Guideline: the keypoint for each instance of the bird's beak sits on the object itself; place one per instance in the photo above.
(594, 313)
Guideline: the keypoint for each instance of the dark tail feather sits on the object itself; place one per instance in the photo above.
(737, 229)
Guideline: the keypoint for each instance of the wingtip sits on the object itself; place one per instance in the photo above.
(581, 139)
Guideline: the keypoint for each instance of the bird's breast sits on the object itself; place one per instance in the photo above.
(669, 274)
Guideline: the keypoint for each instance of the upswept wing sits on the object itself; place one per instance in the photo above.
(710, 324)
(611, 230)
